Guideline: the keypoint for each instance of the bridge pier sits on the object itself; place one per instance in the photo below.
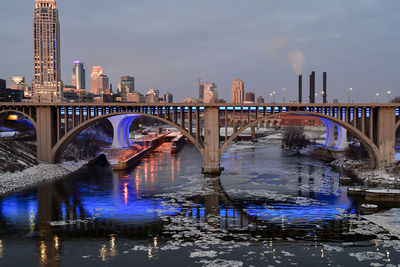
(211, 157)
(45, 133)
(386, 136)
(121, 125)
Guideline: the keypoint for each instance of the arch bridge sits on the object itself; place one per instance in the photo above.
(57, 124)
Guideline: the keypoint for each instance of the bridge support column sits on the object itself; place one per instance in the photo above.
(46, 133)
(211, 141)
(330, 133)
(341, 142)
(121, 125)
(386, 135)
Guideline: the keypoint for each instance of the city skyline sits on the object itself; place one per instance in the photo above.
(361, 37)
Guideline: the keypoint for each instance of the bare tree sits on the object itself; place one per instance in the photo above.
(294, 138)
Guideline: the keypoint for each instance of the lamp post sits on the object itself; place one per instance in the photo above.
(322, 94)
(284, 95)
(349, 94)
(270, 97)
(376, 97)
(389, 92)
(274, 94)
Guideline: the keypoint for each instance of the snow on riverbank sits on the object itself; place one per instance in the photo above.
(10, 182)
(361, 170)
(73, 165)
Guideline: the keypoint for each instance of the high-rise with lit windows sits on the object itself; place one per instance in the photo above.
(46, 84)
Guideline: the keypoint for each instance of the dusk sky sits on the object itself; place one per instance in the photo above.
(168, 45)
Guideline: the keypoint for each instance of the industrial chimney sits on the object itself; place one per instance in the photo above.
(324, 88)
(300, 88)
(312, 87)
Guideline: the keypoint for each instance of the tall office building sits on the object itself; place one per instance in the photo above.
(210, 92)
(99, 81)
(201, 92)
(237, 91)
(153, 96)
(168, 98)
(250, 97)
(78, 75)
(46, 84)
(16, 81)
(126, 86)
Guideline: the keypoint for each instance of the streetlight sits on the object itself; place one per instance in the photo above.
(270, 97)
(284, 95)
(376, 97)
(349, 93)
(389, 92)
(274, 93)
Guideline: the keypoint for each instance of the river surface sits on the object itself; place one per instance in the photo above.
(267, 208)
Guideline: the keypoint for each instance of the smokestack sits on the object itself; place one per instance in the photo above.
(324, 88)
(312, 87)
(300, 88)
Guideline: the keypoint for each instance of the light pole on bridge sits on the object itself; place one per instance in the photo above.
(349, 94)
(284, 95)
(376, 97)
(389, 92)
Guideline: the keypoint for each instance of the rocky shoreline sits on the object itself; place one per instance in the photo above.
(17, 181)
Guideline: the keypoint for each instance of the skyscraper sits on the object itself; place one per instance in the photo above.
(126, 86)
(250, 97)
(201, 92)
(46, 84)
(78, 75)
(99, 82)
(237, 91)
(210, 92)
(168, 98)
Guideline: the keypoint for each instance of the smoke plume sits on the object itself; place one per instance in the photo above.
(298, 60)
(276, 45)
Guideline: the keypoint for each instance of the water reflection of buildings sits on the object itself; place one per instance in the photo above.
(76, 212)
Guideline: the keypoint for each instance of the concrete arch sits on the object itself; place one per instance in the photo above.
(60, 146)
(369, 145)
(22, 113)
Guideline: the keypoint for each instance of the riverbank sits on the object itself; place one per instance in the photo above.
(17, 181)
(389, 176)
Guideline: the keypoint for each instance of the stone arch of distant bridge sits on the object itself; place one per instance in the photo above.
(397, 126)
(24, 114)
(60, 146)
(369, 145)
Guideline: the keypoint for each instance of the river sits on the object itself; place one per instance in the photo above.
(266, 208)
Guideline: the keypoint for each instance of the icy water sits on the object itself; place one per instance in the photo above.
(267, 208)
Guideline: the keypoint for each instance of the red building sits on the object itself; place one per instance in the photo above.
(300, 120)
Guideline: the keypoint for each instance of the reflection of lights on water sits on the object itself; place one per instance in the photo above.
(172, 168)
(126, 193)
(155, 243)
(322, 253)
(149, 254)
(1, 248)
(56, 242)
(146, 172)
(103, 253)
(113, 250)
(43, 256)
(31, 220)
(137, 184)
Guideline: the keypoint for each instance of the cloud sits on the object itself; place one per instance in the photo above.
(298, 60)
(276, 45)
